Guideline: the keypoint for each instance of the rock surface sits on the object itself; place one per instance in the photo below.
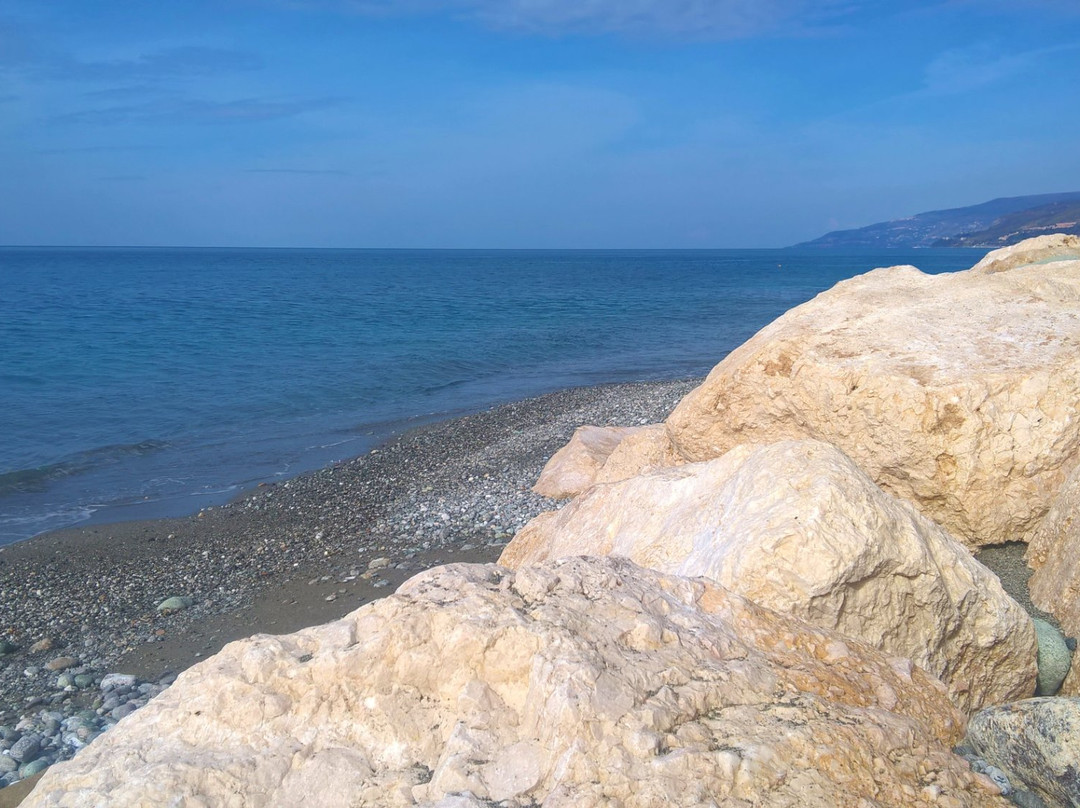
(797, 527)
(573, 468)
(1054, 554)
(959, 392)
(1035, 742)
(579, 683)
(1054, 247)
(647, 449)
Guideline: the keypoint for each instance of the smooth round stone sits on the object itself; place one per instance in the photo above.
(1055, 658)
(124, 710)
(65, 680)
(8, 764)
(114, 681)
(32, 768)
(84, 680)
(175, 604)
(7, 647)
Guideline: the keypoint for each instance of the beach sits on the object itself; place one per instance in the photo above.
(281, 557)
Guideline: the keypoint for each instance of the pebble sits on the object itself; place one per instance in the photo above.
(61, 663)
(45, 644)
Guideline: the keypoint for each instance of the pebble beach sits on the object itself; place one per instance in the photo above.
(95, 621)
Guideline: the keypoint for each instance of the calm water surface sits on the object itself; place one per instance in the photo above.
(137, 383)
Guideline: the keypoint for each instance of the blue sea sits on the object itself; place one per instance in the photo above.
(139, 383)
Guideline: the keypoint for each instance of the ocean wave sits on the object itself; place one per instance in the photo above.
(36, 480)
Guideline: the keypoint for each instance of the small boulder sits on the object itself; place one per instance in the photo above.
(44, 644)
(174, 604)
(1055, 658)
(1035, 742)
(26, 748)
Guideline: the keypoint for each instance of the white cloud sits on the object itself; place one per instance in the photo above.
(966, 69)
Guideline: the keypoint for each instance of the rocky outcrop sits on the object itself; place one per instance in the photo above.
(1054, 554)
(580, 683)
(797, 527)
(1054, 247)
(1035, 742)
(959, 392)
(573, 468)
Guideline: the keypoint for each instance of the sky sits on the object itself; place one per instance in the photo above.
(523, 123)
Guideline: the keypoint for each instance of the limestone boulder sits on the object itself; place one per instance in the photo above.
(1035, 742)
(1054, 554)
(573, 468)
(959, 392)
(1053, 247)
(646, 449)
(589, 682)
(798, 527)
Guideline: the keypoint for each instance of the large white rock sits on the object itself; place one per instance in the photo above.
(798, 527)
(959, 392)
(584, 683)
(1054, 554)
(573, 468)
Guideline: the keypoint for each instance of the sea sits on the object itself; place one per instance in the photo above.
(141, 383)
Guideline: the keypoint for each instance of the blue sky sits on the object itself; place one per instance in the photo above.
(523, 123)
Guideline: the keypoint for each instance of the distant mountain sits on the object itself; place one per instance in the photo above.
(997, 223)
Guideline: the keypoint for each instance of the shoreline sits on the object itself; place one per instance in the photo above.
(286, 555)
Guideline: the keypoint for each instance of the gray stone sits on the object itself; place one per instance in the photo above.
(1025, 799)
(32, 768)
(112, 681)
(1036, 742)
(123, 710)
(26, 748)
(7, 647)
(84, 680)
(65, 680)
(1054, 658)
(8, 764)
(175, 604)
